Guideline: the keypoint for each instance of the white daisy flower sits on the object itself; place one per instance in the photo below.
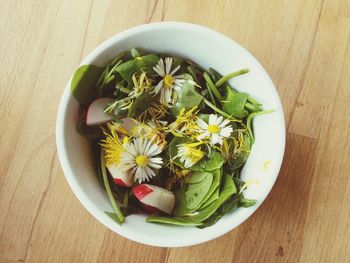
(215, 130)
(189, 153)
(169, 81)
(140, 158)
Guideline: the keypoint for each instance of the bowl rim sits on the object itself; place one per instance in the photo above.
(65, 164)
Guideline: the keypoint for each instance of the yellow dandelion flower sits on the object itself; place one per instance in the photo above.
(141, 84)
(186, 123)
(112, 146)
(190, 153)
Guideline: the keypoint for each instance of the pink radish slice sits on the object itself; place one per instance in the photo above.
(120, 176)
(155, 197)
(95, 114)
(149, 209)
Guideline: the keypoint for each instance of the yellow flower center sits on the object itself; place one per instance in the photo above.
(168, 81)
(213, 128)
(141, 160)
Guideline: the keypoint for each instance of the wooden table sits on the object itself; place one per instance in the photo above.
(304, 46)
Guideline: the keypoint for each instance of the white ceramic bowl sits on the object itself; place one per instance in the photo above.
(209, 49)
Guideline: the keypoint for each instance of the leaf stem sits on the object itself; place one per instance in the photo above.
(250, 118)
(212, 87)
(209, 104)
(119, 214)
(230, 76)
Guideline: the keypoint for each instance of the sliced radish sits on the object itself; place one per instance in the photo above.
(121, 177)
(155, 197)
(95, 114)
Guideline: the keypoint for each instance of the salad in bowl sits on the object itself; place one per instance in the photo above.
(170, 137)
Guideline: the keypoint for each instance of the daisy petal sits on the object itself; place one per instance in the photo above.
(203, 135)
(156, 160)
(219, 120)
(175, 70)
(202, 124)
(224, 123)
(168, 62)
(149, 172)
(212, 119)
(226, 132)
(215, 138)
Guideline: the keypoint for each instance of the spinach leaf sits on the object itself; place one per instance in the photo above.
(181, 203)
(187, 97)
(170, 221)
(214, 186)
(83, 83)
(228, 190)
(137, 65)
(229, 206)
(234, 103)
(214, 196)
(189, 196)
(196, 192)
(244, 202)
(213, 161)
(135, 53)
(250, 118)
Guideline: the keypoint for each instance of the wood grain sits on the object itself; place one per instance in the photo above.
(305, 47)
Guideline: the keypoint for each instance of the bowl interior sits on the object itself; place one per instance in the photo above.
(209, 49)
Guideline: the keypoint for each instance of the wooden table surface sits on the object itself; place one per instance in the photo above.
(304, 46)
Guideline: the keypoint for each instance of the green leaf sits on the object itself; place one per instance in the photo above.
(134, 53)
(196, 178)
(170, 221)
(189, 196)
(211, 199)
(250, 118)
(214, 186)
(187, 97)
(212, 162)
(114, 216)
(137, 65)
(229, 206)
(196, 192)
(234, 103)
(227, 191)
(244, 202)
(83, 83)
